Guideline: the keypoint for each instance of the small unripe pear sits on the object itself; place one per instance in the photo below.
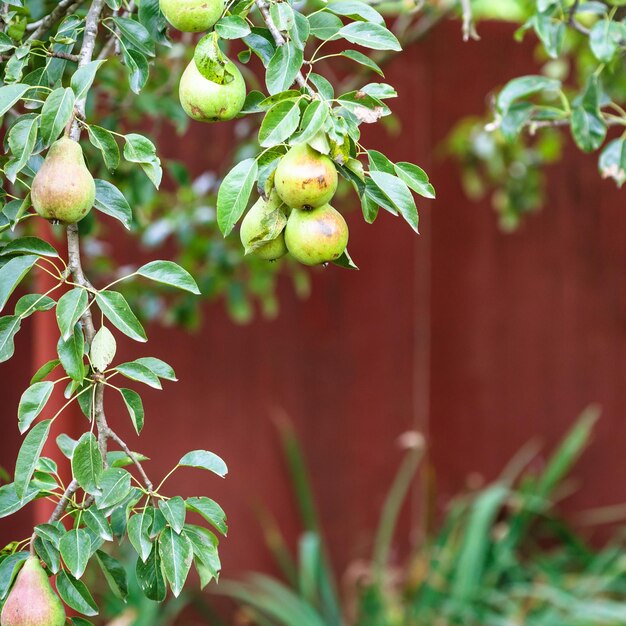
(251, 226)
(32, 601)
(316, 236)
(208, 101)
(63, 189)
(305, 178)
(192, 16)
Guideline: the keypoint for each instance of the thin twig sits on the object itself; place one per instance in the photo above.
(469, 30)
(148, 483)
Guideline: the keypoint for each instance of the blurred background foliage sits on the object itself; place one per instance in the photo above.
(501, 555)
(181, 216)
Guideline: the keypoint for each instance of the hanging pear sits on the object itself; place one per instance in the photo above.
(32, 601)
(205, 100)
(63, 189)
(305, 178)
(316, 236)
(192, 16)
(258, 220)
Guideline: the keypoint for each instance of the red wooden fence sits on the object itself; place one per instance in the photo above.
(480, 340)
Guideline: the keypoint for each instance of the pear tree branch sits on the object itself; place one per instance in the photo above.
(280, 40)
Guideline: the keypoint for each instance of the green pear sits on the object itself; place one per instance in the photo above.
(305, 178)
(192, 16)
(252, 226)
(208, 101)
(316, 236)
(32, 601)
(63, 189)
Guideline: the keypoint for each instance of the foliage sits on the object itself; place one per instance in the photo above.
(579, 89)
(56, 64)
(502, 555)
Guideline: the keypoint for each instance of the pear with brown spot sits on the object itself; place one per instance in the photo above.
(305, 178)
(316, 236)
(63, 189)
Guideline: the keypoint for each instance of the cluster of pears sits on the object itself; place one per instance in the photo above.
(63, 189)
(212, 88)
(32, 600)
(305, 182)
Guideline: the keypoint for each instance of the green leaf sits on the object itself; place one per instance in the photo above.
(56, 113)
(177, 556)
(356, 10)
(22, 140)
(10, 94)
(74, 593)
(71, 353)
(169, 273)
(283, 68)
(139, 533)
(87, 465)
(75, 548)
(203, 459)
(158, 367)
(232, 27)
(115, 308)
(399, 195)
(370, 35)
(115, 487)
(139, 149)
(82, 79)
(33, 302)
(138, 69)
(103, 348)
(66, 444)
(522, 87)
(9, 568)
(345, 261)
(104, 140)
(313, 120)
(9, 327)
(588, 127)
(612, 164)
(97, 523)
(10, 502)
(324, 25)
(44, 370)
(114, 573)
(134, 405)
(11, 275)
(135, 35)
(140, 373)
(210, 510)
(605, 38)
(29, 245)
(234, 193)
(51, 532)
(32, 403)
(174, 512)
(70, 309)
(204, 544)
(415, 178)
(110, 200)
(117, 458)
(150, 576)
(279, 123)
(364, 60)
(28, 456)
